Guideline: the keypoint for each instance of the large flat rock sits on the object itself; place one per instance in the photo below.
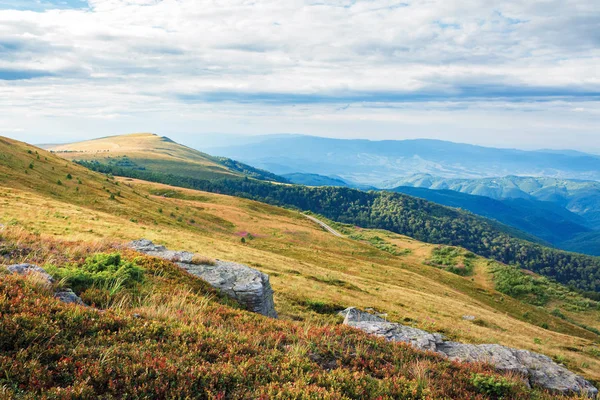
(247, 285)
(538, 369)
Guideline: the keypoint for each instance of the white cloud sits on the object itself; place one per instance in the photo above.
(443, 66)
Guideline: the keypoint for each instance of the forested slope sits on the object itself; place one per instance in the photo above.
(402, 214)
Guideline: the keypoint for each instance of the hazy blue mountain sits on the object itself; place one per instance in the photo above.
(579, 197)
(546, 220)
(588, 243)
(315, 180)
(377, 162)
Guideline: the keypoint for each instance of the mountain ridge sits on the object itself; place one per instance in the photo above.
(365, 162)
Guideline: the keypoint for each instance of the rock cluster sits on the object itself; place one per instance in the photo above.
(247, 285)
(64, 295)
(539, 370)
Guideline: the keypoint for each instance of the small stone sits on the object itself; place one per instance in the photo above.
(68, 296)
(468, 317)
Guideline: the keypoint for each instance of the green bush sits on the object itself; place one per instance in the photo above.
(493, 386)
(102, 271)
(513, 282)
(448, 258)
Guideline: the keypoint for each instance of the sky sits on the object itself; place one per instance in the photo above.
(523, 74)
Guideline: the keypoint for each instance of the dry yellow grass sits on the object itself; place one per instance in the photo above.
(306, 264)
(148, 150)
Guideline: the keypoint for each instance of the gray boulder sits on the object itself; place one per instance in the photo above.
(147, 247)
(539, 370)
(375, 325)
(248, 286)
(26, 269)
(65, 295)
(399, 333)
(353, 315)
(68, 296)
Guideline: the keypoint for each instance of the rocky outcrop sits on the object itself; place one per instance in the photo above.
(248, 286)
(375, 325)
(64, 295)
(539, 370)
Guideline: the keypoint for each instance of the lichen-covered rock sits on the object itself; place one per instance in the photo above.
(68, 296)
(65, 295)
(247, 285)
(375, 325)
(26, 269)
(353, 315)
(147, 247)
(539, 370)
(400, 333)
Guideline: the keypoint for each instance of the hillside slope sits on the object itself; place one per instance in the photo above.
(542, 219)
(417, 218)
(579, 197)
(151, 152)
(313, 273)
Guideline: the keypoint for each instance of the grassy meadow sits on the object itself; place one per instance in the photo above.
(314, 274)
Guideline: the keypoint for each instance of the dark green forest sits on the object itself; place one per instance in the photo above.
(403, 214)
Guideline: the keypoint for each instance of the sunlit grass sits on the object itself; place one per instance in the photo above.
(311, 270)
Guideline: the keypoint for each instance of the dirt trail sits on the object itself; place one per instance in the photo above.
(324, 226)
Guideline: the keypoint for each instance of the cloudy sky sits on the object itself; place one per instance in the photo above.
(504, 73)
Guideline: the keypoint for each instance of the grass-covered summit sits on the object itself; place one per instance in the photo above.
(148, 151)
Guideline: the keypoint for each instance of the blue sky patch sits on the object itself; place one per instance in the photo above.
(42, 5)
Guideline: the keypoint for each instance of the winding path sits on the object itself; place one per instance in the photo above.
(324, 226)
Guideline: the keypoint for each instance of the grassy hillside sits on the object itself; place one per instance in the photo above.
(151, 152)
(403, 214)
(313, 272)
(168, 337)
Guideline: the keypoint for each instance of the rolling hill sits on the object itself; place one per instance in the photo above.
(151, 152)
(577, 197)
(312, 272)
(417, 218)
(546, 220)
(373, 163)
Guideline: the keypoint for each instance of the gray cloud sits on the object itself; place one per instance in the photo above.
(300, 63)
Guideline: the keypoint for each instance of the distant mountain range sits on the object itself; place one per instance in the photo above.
(564, 212)
(546, 220)
(535, 212)
(377, 163)
(579, 197)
